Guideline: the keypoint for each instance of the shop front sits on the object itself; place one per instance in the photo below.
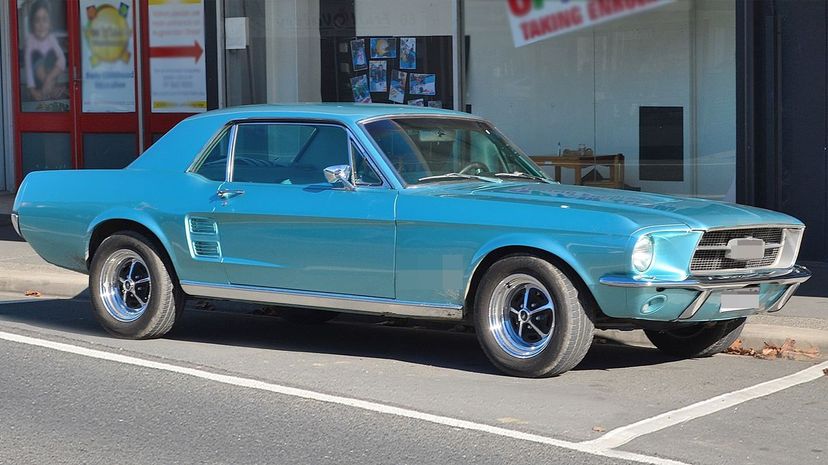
(94, 82)
(636, 96)
(628, 94)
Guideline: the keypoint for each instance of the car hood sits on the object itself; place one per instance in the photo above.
(644, 209)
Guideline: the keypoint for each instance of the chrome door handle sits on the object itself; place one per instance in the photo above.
(229, 193)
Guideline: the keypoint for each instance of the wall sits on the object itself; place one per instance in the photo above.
(404, 17)
(585, 87)
(282, 61)
(293, 54)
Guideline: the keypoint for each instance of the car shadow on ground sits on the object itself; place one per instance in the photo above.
(7, 232)
(408, 341)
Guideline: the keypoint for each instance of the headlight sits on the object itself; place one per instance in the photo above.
(642, 256)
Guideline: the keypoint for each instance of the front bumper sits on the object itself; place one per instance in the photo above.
(707, 285)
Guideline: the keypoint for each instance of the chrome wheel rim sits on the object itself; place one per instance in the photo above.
(522, 316)
(125, 285)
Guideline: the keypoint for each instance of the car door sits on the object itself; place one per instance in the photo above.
(282, 225)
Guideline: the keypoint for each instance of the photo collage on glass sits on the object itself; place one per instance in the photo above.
(384, 70)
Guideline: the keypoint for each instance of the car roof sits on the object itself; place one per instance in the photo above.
(177, 148)
(351, 112)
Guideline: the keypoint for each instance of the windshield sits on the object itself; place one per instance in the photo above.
(427, 150)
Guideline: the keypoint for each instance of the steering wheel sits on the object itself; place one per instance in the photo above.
(480, 167)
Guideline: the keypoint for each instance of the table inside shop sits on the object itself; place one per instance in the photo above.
(579, 163)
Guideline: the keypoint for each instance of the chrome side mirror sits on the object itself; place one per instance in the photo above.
(339, 174)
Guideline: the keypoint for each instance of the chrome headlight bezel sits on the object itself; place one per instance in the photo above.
(643, 254)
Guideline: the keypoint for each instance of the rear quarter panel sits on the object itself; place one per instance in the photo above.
(60, 209)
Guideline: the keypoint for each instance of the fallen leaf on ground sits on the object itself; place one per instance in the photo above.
(598, 429)
(737, 348)
(825, 370)
(32, 293)
(787, 350)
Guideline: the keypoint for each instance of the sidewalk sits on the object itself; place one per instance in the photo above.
(804, 319)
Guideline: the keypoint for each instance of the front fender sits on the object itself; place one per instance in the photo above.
(590, 257)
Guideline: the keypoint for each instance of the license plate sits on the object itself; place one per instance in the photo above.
(740, 299)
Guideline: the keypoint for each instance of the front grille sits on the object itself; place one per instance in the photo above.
(722, 237)
(714, 260)
(710, 255)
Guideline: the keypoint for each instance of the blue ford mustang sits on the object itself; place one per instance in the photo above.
(404, 211)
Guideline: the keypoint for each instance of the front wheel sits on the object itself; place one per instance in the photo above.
(700, 340)
(529, 319)
(133, 292)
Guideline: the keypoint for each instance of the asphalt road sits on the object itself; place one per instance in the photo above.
(237, 388)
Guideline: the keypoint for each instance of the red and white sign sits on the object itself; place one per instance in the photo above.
(535, 20)
(178, 77)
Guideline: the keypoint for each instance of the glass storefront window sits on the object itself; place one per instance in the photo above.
(370, 51)
(632, 95)
(43, 44)
(654, 85)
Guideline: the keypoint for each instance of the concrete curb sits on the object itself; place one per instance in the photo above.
(58, 284)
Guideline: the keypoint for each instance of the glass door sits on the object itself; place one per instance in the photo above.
(107, 122)
(42, 87)
(74, 84)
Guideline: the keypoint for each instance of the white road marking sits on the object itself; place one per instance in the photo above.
(346, 401)
(620, 436)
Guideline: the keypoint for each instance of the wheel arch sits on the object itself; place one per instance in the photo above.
(106, 227)
(487, 259)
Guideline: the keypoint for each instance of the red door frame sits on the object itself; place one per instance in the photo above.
(48, 122)
(75, 122)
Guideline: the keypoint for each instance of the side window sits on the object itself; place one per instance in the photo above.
(214, 165)
(364, 174)
(287, 153)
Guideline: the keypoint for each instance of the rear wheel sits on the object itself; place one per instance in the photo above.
(133, 292)
(701, 340)
(529, 319)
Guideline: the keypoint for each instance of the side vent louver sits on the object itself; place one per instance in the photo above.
(208, 249)
(202, 226)
(204, 238)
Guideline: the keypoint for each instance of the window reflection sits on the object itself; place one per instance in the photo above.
(43, 43)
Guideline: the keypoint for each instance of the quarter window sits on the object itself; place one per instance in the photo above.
(214, 165)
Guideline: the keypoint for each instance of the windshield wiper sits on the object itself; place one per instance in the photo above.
(520, 175)
(441, 177)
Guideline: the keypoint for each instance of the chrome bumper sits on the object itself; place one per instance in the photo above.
(15, 221)
(792, 277)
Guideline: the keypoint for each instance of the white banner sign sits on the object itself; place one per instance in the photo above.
(535, 20)
(107, 56)
(178, 76)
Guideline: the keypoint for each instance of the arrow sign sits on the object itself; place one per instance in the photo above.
(179, 51)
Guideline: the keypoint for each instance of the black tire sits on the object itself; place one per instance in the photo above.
(570, 320)
(304, 316)
(702, 340)
(164, 299)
